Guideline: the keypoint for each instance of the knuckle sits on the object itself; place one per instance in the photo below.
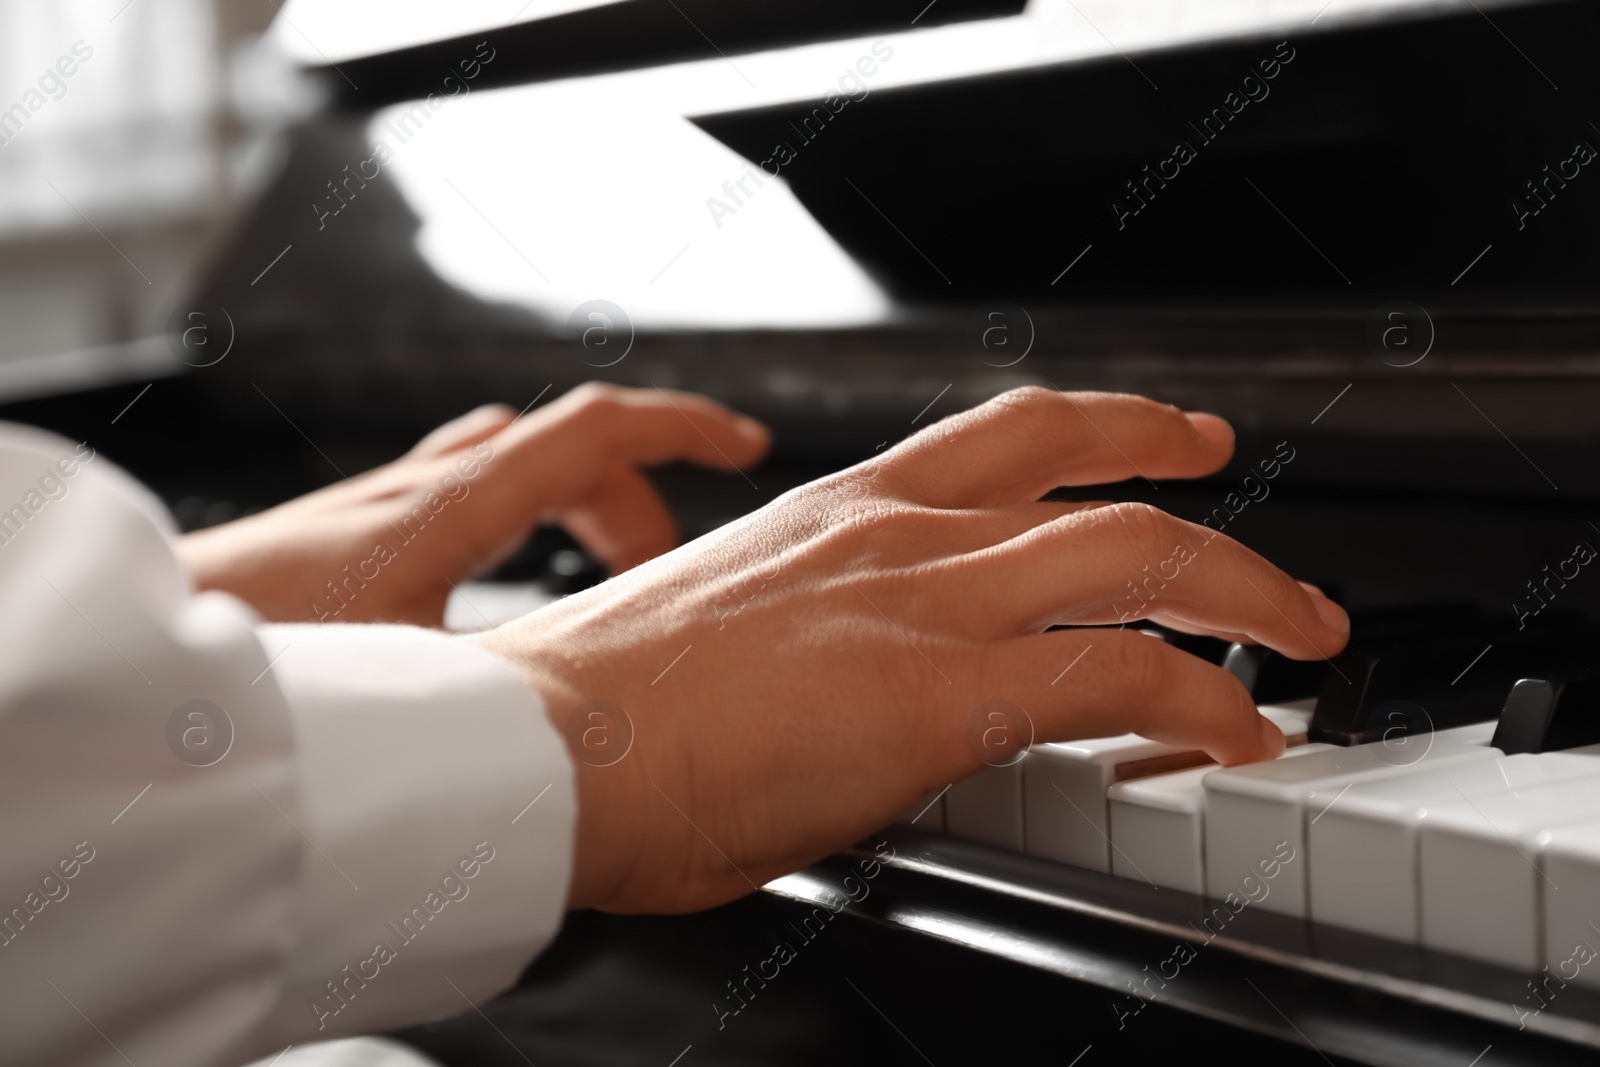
(1030, 412)
(1028, 401)
(596, 397)
(879, 533)
(872, 517)
(1145, 528)
(833, 498)
(892, 526)
(1032, 395)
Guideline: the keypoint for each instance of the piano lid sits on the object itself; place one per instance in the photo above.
(1438, 154)
(382, 52)
(549, 195)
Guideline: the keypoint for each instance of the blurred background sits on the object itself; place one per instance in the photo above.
(144, 141)
(247, 246)
(178, 119)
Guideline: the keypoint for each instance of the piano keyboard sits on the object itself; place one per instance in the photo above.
(1467, 823)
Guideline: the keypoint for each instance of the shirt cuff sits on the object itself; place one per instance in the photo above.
(438, 811)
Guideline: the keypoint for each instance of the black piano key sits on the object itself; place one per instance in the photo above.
(1271, 677)
(1549, 714)
(1416, 621)
(1453, 680)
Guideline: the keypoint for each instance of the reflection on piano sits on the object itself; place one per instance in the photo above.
(1382, 260)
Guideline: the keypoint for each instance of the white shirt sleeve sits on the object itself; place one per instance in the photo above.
(218, 838)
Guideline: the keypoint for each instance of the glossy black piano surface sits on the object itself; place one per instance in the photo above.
(1346, 168)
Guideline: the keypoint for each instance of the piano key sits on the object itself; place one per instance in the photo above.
(1065, 785)
(1482, 886)
(1550, 714)
(1158, 826)
(1447, 681)
(1362, 849)
(1571, 900)
(987, 807)
(1253, 811)
(1418, 622)
(1272, 677)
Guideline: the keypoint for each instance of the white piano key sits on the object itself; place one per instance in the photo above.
(1572, 904)
(1261, 811)
(1158, 829)
(1362, 850)
(1065, 785)
(987, 807)
(1158, 826)
(1482, 886)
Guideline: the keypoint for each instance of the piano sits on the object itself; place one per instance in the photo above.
(1366, 235)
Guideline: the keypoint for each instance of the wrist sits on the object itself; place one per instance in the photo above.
(601, 857)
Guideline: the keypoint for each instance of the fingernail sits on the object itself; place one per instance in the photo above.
(1331, 614)
(751, 428)
(1213, 428)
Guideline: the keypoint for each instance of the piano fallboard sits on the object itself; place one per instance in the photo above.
(1341, 992)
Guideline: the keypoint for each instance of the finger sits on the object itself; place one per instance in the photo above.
(568, 444)
(477, 425)
(623, 521)
(1223, 635)
(547, 462)
(1122, 682)
(1024, 443)
(1132, 561)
